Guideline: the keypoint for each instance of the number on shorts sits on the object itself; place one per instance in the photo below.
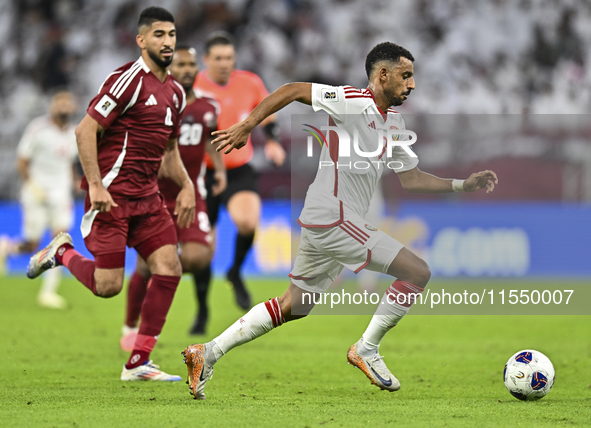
(203, 221)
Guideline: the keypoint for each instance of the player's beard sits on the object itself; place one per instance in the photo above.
(64, 117)
(187, 82)
(393, 100)
(162, 63)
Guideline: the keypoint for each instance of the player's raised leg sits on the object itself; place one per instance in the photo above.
(262, 318)
(244, 208)
(166, 273)
(102, 281)
(412, 275)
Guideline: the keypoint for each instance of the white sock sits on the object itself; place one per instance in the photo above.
(395, 303)
(51, 280)
(259, 320)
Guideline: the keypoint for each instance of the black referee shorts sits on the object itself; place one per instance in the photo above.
(242, 178)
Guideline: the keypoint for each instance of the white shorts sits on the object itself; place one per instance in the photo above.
(55, 214)
(354, 244)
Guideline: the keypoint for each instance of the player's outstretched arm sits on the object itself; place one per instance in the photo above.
(86, 131)
(417, 181)
(236, 136)
(172, 166)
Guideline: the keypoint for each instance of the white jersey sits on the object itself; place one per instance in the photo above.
(51, 151)
(344, 176)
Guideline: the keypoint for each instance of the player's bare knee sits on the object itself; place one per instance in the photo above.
(195, 260)
(108, 287)
(171, 267)
(194, 264)
(295, 303)
(422, 274)
(142, 268)
(246, 227)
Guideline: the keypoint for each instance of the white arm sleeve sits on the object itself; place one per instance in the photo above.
(330, 99)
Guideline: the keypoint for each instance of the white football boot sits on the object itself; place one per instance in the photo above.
(147, 371)
(45, 259)
(374, 368)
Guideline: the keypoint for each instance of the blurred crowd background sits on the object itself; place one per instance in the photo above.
(501, 57)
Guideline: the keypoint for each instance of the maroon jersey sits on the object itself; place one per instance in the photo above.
(198, 121)
(140, 114)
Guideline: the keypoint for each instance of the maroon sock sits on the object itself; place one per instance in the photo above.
(136, 292)
(154, 310)
(61, 252)
(81, 267)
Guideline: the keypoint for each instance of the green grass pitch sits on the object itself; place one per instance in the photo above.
(61, 368)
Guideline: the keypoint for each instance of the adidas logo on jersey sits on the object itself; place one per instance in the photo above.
(151, 100)
(372, 125)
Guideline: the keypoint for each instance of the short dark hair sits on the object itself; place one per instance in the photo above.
(218, 38)
(386, 51)
(153, 14)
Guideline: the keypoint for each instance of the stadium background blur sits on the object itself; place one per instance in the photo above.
(501, 84)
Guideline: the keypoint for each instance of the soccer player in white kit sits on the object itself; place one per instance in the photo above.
(46, 156)
(334, 232)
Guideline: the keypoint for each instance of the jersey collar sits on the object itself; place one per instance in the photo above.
(143, 64)
(384, 115)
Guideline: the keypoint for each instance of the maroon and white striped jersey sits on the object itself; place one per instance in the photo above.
(140, 115)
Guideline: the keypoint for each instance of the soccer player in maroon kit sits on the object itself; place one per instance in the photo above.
(198, 121)
(135, 116)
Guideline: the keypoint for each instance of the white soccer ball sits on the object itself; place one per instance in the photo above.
(529, 375)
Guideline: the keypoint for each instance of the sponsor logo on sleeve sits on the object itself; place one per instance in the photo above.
(209, 119)
(105, 106)
(330, 95)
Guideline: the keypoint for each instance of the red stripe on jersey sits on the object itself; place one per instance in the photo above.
(334, 155)
(351, 234)
(354, 232)
(322, 226)
(302, 278)
(358, 229)
(363, 266)
(357, 96)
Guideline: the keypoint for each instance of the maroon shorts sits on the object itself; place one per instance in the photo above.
(199, 230)
(142, 223)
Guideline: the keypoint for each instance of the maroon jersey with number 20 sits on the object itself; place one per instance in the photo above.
(198, 121)
(140, 114)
